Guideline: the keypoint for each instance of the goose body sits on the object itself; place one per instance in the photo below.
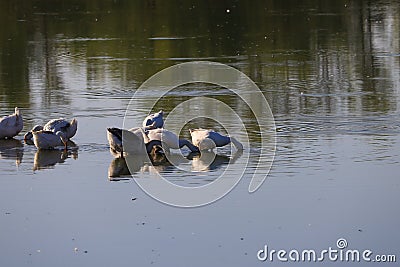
(208, 139)
(49, 140)
(69, 128)
(11, 125)
(56, 125)
(169, 139)
(154, 120)
(133, 140)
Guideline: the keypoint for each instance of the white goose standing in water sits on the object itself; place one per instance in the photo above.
(49, 140)
(209, 139)
(11, 125)
(168, 139)
(57, 125)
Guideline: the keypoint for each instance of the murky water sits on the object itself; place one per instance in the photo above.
(331, 74)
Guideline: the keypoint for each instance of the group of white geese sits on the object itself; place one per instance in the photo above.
(151, 138)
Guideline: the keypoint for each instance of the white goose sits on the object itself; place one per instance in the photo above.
(56, 125)
(209, 139)
(49, 140)
(154, 120)
(11, 125)
(169, 139)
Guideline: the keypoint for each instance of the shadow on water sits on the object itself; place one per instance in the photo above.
(209, 160)
(47, 159)
(124, 168)
(120, 168)
(12, 149)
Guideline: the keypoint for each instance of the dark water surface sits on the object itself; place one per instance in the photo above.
(331, 74)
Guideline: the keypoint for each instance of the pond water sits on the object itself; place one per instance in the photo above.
(331, 75)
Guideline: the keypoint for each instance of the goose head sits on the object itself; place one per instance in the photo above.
(16, 111)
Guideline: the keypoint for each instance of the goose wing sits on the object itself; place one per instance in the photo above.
(46, 139)
(156, 120)
(9, 121)
(57, 125)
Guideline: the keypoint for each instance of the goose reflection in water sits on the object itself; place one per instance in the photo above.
(209, 161)
(119, 169)
(11, 149)
(46, 159)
